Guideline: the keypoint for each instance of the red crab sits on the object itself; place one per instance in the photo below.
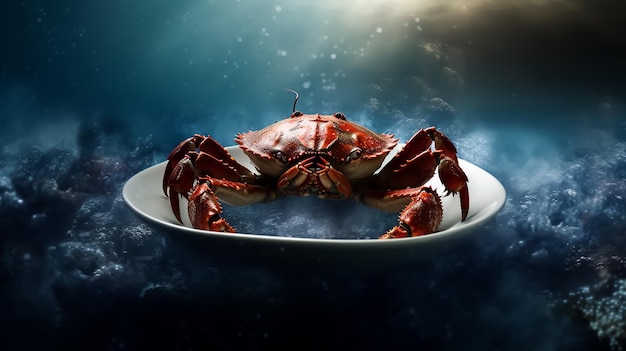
(321, 155)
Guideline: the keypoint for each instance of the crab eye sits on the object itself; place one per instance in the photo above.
(340, 115)
(296, 114)
(354, 154)
(280, 156)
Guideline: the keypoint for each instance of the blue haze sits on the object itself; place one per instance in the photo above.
(93, 92)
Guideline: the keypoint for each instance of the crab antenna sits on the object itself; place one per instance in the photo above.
(296, 100)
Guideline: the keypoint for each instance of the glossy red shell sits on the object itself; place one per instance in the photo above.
(316, 134)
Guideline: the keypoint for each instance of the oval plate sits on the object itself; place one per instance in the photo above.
(143, 195)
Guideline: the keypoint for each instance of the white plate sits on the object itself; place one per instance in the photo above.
(143, 194)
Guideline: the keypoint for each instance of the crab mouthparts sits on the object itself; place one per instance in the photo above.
(314, 164)
(315, 176)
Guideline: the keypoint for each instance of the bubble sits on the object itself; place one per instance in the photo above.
(307, 84)
(333, 56)
(379, 30)
(278, 8)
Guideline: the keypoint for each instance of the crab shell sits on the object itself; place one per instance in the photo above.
(352, 149)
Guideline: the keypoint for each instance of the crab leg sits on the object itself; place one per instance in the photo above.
(422, 215)
(205, 210)
(202, 171)
(415, 146)
(455, 181)
(420, 210)
(238, 193)
(208, 158)
(450, 173)
(411, 172)
(442, 142)
(203, 200)
(179, 152)
(416, 163)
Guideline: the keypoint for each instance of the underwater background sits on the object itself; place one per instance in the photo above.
(93, 92)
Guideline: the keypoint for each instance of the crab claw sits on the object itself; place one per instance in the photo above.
(421, 216)
(178, 154)
(180, 181)
(443, 143)
(455, 181)
(205, 210)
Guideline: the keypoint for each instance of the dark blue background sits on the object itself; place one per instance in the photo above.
(91, 93)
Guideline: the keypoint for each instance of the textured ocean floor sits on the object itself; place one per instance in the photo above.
(79, 268)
